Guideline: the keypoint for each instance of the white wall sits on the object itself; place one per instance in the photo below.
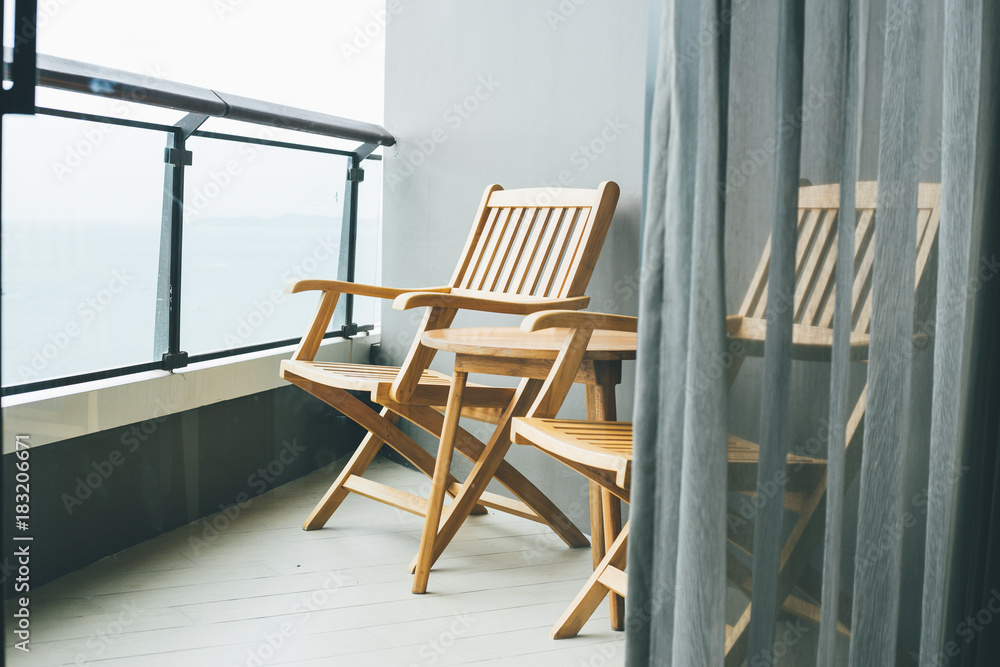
(521, 93)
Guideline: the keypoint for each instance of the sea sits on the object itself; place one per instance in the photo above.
(81, 297)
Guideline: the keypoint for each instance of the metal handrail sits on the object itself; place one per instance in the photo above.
(79, 77)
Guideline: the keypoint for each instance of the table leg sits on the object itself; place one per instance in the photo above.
(601, 406)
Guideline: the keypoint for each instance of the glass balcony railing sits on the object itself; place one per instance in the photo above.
(131, 245)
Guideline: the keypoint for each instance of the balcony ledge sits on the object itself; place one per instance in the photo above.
(53, 415)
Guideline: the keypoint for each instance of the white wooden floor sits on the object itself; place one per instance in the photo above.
(255, 589)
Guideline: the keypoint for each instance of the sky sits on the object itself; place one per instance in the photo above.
(302, 53)
(325, 56)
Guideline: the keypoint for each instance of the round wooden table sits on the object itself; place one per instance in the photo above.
(512, 343)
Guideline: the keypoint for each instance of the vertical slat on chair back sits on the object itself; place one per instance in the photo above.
(529, 242)
(536, 242)
(816, 254)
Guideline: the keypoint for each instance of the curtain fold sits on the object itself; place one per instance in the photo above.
(656, 482)
(846, 45)
(678, 486)
(959, 244)
(701, 535)
(776, 389)
(887, 424)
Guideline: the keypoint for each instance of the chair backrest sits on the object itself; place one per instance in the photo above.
(816, 254)
(532, 242)
(540, 242)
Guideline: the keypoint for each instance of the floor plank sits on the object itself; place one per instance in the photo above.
(248, 587)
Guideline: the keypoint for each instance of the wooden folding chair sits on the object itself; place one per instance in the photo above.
(602, 451)
(812, 341)
(529, 250)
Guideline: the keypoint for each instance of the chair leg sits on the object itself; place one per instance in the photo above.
(515, 482)
(806, 535)
(509, 476)
(612, 517)
(336, 494)
(381, 429)
(459, 509)
(590, 596)
(436, 503)
(482, 472)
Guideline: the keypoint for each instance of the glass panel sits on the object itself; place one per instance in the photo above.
(81, 224)
(368, 268)
(255, 218)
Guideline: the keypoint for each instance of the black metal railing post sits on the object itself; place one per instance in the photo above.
(167, 336)
(19, 96)
(347, 266)
(349, 239)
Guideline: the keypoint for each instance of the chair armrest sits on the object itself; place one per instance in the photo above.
(485, 301)
(332, 289)
(581, 327)
(572, 319)
(358, 289)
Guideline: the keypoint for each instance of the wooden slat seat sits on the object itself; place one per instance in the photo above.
(608, 447)
(377, 380)
(357, 377)
(743, 457)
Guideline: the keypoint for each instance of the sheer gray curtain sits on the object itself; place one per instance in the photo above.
(908, 95)
(677, 558)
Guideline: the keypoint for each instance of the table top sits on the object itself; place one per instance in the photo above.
(511, 342)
